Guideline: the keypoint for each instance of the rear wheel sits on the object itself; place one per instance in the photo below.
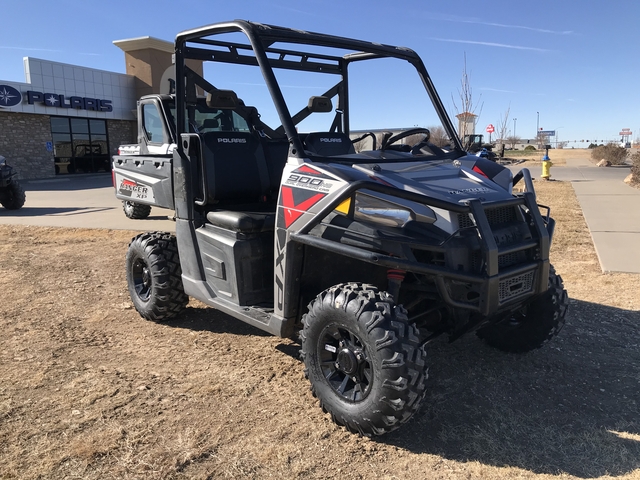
(135, 210)
(154, 276)
(363, 358)
(533, 325)
(14, 197)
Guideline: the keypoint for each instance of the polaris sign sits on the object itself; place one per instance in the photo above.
(9, 96)
(80, 103)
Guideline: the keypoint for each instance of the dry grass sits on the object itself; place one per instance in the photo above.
(574, 255)
(90, 390)
(558, 156)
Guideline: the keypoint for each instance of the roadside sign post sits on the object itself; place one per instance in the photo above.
(626, 137)
(490, 130)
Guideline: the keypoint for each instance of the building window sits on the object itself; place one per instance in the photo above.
(80, 145)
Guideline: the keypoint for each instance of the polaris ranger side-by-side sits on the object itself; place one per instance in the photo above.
(367, 256)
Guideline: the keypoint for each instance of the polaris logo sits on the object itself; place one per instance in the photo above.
(232, 140)
(331, 140)
(9, 96)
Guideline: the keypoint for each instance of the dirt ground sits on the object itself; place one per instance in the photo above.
(88, 389)
(557, 155)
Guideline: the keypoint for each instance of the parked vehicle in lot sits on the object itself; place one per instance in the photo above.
(12, 196)
(367, 256)
(475, 144)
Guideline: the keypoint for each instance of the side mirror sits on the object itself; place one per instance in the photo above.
(222, 99)
(320, 104)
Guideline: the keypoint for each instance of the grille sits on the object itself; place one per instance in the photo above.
(495, 216)
(509, 259)
(464, 221)
(516, 286)
(498, 216)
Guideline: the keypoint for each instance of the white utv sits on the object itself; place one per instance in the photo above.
(366, 254)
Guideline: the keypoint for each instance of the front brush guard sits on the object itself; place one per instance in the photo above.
(490, 282)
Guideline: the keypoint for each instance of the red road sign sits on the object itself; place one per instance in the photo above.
(490, 129)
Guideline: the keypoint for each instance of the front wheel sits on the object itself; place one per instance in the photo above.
(154, 276)
(135, 210)
(363, 358)
(533, 325)
(14, 197)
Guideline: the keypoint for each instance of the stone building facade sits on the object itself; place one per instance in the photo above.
(23, 142)
(67, 119)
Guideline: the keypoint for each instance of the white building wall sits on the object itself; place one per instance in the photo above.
(70, 80)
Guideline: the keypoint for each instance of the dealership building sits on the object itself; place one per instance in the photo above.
(67, 119)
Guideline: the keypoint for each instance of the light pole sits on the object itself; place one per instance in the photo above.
(538, 129)
(557, 130)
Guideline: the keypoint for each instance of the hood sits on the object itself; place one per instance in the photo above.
(457, 181)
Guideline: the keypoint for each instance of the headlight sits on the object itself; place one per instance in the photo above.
(389, 211)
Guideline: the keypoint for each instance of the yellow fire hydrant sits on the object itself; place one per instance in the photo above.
(546, 167)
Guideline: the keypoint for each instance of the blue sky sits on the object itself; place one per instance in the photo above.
(573, 62)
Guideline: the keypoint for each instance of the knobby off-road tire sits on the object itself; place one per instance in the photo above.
(14, 197)
(534, 325)
(363, 358)
(154, 276)
(134, 210)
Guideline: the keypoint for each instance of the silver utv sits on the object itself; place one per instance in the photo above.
(365, 246)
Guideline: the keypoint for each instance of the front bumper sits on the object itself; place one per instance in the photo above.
(496, 286)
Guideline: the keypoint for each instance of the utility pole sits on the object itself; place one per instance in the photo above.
(538, 129)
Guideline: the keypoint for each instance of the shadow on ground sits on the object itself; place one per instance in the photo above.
(48, 211)
(68, 183)
(572, 406)
(211, 320)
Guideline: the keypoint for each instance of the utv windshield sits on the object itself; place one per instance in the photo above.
(331, 98)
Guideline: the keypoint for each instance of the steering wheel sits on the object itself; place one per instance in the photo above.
(368, 134)
(407, 133)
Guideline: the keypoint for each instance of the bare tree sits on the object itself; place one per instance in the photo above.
(439, 136)
(512, 141)
(467, 107)
(543, 140)
(503, 130)
(503, 125)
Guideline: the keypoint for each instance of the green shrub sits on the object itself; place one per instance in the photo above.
(529, 147)
(611, 152)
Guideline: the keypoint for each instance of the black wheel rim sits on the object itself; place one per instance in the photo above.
(345, 363)
(141, 279)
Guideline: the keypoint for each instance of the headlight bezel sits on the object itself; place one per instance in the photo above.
(388, 211)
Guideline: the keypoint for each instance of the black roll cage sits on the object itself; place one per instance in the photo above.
(196, 44)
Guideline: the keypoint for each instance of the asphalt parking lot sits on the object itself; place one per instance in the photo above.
(81, 201)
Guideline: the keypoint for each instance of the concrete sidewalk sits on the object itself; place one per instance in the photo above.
(611, 209)
(81, 201)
